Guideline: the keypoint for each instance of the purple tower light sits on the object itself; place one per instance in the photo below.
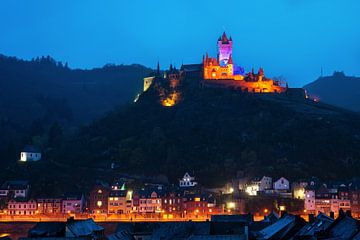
(224, 49)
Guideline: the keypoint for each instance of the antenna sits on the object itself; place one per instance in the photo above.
(321, 72)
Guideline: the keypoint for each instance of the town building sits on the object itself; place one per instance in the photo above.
(15, 189)
(196, 206)
(282, 185)
(30, 153)
(263, 183)
(73, 203)
(172, 204)
(49, 205)
(120, 202)
(187, 181)
(298, 189)
(98, 201)
(22, 206)
(147, 201)
(354, 196)
(309, 201)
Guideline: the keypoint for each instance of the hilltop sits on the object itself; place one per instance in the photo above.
(338, 89)
(214, 133)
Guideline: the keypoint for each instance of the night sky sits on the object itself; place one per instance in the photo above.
(292, 38)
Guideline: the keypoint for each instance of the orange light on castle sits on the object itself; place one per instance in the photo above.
(171, 100)
(222, 71)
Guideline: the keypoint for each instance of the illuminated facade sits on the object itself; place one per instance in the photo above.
(222, 71)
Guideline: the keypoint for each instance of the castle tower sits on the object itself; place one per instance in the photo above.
(224, 49)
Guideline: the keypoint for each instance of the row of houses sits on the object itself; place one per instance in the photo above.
(330, 197)
(185, 200)
(188, 199)
(318, 196)
(265, 185)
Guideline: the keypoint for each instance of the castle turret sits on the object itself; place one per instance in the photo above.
(224, 49)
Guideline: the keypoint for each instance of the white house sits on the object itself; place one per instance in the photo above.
(73, 203)
(187, 181)
(282, 184)
(30, 153)
(265, 183)
(15, 189)
(22, 207)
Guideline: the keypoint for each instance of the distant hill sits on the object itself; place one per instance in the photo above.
(213, 133)
(338, 89)
(35, 94)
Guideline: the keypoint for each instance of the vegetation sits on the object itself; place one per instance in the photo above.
(37, 95)
(338, 89)
(213, 133)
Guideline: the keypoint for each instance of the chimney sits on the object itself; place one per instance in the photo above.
(348, 213)
(70, 220)
(311, 218)
(246, 232)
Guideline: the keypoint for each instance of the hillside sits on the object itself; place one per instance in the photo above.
(36, 94)
(213, 133)
(338, 89)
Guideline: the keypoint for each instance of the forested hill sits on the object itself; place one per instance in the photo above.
(216, 132)
(37, 94)
(338, 89)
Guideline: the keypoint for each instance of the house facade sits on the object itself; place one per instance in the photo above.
(98, 200)
(196, 206)
(22, 207)
(187, 181)
(147, 201)
(73, 203)
(15, 189)
(120, 202)
(30, 153)
(172, 203)
(282, 184)
(49, 205)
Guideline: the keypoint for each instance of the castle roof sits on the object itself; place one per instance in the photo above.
(224, 38)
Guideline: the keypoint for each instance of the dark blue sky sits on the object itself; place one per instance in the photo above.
(292, 38)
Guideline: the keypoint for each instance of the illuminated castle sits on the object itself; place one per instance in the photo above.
(221, 71)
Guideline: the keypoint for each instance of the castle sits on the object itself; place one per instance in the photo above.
(222, 72)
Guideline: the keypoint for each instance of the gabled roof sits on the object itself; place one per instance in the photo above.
(217, 237)
(83, 228)
(282, 229)
(116, 193)
(180, 230)
(74, 196)
(48, 229)
(240, 218)
(272, 217)
(321, 223)
(31, 149)
(122, 235)
(344, 227)
(224, 38)
(15, 185)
